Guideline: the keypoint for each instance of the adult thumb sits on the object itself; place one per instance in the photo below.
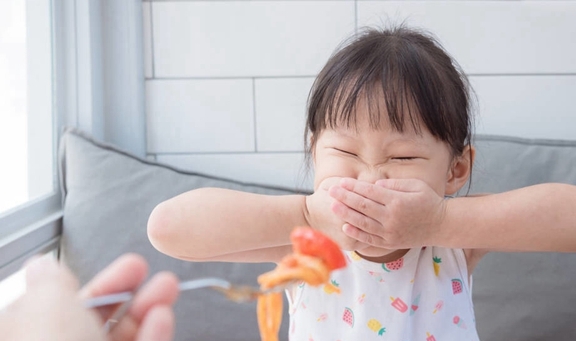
(158, 325)
(44, 270)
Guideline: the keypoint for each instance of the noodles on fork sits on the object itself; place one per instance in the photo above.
(315, 256)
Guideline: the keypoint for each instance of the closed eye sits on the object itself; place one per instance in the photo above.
(405, 158)
(345, 152)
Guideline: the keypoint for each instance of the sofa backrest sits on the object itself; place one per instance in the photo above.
(109, 195)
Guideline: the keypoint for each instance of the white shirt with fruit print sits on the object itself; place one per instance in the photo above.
(423, 296)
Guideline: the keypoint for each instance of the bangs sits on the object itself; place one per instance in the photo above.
(376, 92)
(403, 72)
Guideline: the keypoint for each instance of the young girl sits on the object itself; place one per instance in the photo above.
(389, 130)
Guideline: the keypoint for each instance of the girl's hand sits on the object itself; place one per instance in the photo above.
(320, 216)
(392, 213)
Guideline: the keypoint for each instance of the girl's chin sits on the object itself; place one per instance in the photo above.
(380, 255)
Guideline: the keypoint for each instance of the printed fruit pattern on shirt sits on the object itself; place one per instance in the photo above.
(423, 295)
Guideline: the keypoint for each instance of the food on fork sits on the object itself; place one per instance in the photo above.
(315, 256)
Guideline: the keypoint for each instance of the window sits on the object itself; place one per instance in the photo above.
(59, 63)
(29, 199)
(25, 103)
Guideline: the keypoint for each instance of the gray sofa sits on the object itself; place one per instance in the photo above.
(108, 195)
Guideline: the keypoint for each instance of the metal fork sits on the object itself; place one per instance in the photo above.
(236, 293)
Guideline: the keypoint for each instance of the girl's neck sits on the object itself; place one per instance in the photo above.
(389, 257)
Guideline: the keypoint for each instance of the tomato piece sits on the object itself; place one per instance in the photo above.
(311, 242)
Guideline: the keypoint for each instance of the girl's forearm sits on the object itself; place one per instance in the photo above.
(211, 222)
(535, 218)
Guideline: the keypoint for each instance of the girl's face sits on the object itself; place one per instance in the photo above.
(370, 154)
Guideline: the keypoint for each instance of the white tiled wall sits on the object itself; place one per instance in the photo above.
(227, 81)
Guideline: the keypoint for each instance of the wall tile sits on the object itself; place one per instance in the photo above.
(247, 39)
(147, 35)
(490, 37)
(526, 106)
(186, 116)
(281, 113)
(277, 169)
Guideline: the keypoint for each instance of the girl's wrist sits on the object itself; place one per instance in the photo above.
(443, 233)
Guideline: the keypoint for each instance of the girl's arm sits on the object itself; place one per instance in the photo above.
(403, 213)
(225, 225)
(535, 218)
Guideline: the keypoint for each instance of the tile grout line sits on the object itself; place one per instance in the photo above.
(254, 115)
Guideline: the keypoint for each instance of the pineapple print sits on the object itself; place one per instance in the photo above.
(376, 326)
(436, 263)
(355, 256)
(332, 288)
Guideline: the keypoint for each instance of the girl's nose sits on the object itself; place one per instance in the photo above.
(372, 174)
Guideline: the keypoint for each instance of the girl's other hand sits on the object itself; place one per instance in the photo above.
(392, 213)
(320, 216)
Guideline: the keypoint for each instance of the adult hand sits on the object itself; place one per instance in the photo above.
(392, 213)
(320, 216)
(52, 307)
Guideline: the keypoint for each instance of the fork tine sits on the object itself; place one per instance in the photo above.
(240, 294)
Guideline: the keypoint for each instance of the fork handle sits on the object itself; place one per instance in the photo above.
(100, 301)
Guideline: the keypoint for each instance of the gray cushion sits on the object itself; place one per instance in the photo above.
(524, 296)
(109, 195)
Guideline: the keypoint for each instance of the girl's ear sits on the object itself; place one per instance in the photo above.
(460, 170)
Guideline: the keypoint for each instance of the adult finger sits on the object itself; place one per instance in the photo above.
(161, 290)
(158, 325)
(126, 273)
(45, 269)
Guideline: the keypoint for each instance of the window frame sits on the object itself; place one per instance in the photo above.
(36, 225)
(89, 39)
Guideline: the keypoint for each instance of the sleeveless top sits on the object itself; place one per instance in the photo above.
(423, 296)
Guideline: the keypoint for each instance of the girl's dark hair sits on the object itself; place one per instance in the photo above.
(419, 82)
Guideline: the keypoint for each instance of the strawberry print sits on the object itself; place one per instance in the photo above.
(332, 287)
